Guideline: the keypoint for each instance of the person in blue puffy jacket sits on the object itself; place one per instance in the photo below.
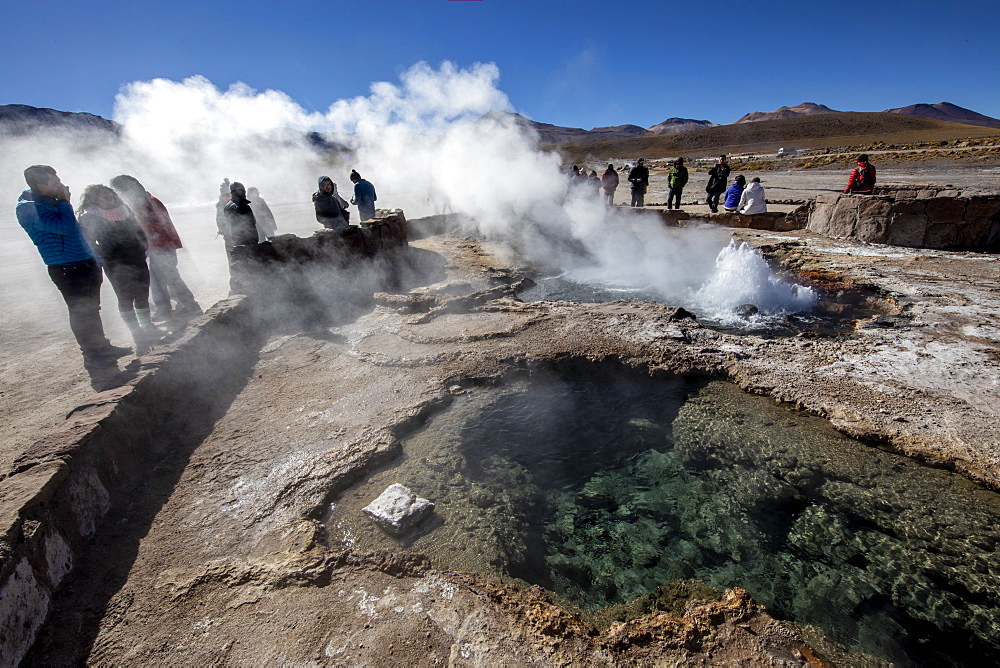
(45, 213)
(733, 194)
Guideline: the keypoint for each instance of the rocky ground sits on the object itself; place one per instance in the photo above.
(220, 556)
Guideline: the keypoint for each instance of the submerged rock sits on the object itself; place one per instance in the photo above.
(398, 509)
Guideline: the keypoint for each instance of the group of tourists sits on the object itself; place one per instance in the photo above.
(124, 232)
(737, 197)
(331, 208)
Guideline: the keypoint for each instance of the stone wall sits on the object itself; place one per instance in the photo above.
(945, 222)
(776, 221)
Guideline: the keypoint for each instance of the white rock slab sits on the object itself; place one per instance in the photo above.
(398, 509)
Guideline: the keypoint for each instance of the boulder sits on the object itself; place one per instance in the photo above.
(906, 229)
(945, 210)
(845, 215)
(982, 208)
(941, 235)
(398, 509)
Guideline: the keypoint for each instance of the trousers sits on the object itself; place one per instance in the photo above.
(165, 281)
(80, 286)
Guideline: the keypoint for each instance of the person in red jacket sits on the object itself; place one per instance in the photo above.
(165, 281)
(862, 181)
(609, 181)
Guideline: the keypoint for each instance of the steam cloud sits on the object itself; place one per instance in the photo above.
(429, 145)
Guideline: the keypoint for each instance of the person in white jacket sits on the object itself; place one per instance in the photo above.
(752, 199)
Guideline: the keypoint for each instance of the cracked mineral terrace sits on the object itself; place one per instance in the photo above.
(189, 502)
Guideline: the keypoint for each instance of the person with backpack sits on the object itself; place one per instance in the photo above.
(862, 181)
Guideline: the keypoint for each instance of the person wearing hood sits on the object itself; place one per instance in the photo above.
(266, 225)
(639, 178)
(44, 212)
(364, 197)
(331, 208)
(116, 235)
(752, 200)
(717, 177)
(676, 181)
(165, 282)
(609, 181)
(731, 202)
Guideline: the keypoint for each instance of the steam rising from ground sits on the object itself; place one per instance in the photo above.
(428, 144)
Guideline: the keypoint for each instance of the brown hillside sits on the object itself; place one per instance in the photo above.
(837, 129)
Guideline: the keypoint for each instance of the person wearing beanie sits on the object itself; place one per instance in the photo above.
(119, 240)
(731, 201)
(676, 181)
(862, 179)
(639, 178)
(364, 197)
(165, 282)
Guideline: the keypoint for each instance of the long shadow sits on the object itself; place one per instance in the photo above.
(84, 604)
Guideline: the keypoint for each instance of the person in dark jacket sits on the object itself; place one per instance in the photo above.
(717, 177)
(266, 225)
(609, 182)
(44, 212)
(734, 193)
(330, 206)
(119, 240)
(165, 282)
(364, 197)
(241, 226)
(862, 180)
(676, 181)
(639, 178)
(239, 217)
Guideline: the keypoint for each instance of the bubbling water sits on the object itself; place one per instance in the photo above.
(742, 276)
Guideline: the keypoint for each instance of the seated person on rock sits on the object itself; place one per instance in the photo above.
(862, 180)
(731, 200)
(331, 208)
(752, 200)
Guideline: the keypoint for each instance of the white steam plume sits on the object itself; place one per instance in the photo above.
(425, 144)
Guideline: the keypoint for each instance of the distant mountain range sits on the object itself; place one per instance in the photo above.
(18, 119)
(946, 111)
(942, 111)
(804, 109)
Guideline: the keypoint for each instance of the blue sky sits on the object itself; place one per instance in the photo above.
(581, 64)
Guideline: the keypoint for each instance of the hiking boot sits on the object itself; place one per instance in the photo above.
(105, 357)
(189, 309)
(114, 352)
(99, 362)
(161, 315)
